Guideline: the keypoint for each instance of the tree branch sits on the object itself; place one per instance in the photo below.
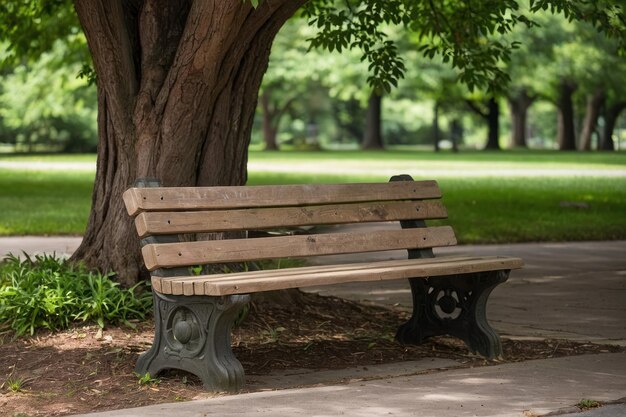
(472, 105)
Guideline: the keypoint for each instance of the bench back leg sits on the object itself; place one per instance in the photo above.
(194, 334)
(455, 305)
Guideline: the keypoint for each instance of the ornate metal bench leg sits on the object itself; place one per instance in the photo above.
(193, 334)
(454, 305)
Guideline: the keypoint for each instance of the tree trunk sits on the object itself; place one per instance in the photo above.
(493, 121)
(269, 127)
(175, 82)
(492, 117)
(566, 136)
(518, 106)
(373, 137)
(595, 102)
(436, 131)
(611, 115)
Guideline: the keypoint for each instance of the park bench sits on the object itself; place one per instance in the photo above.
(194, 312)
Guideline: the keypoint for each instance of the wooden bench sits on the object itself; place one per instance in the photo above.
(194, 313)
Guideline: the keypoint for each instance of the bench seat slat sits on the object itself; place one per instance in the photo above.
(168, 255)
(211, 198)
(159, 223)
(255, 281)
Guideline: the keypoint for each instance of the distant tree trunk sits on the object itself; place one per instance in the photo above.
(373, 136)
(456, 134)
(566, 136)
(493, 121)
(611, 114)
(348, 116)
(270, 130)
(595, 102)
(518, 106)
(492, 117)
(436, 131)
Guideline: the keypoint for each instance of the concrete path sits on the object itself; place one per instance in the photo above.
(37, 245)
(575, 291)
(521, 389)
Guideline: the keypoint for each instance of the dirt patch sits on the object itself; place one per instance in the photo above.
(80, 370)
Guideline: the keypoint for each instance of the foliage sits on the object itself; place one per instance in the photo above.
(51, 293)
(464, 34)
(14, 384)
(147, 379)
(30, 28)
(44, 104)
(586, 404)
(455, 30)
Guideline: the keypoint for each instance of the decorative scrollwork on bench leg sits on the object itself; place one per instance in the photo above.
(454, 305)
(194, 334)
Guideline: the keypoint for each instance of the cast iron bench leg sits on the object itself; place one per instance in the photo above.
(454, 305)
(192, 333)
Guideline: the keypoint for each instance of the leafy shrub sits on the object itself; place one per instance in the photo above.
(53, 293)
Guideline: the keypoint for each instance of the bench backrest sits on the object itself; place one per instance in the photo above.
(174, 211)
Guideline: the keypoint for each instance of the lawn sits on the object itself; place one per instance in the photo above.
(491, 197)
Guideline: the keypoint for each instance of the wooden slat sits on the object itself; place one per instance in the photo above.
(208, 198)
(159, 223)
(317, 268)
(248, 282)
(169, 255)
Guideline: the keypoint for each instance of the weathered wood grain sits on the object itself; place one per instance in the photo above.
(208, 198)
(169, 255)
(159, 223)
(255, 281)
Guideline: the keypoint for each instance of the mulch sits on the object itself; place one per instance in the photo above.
(84, 370)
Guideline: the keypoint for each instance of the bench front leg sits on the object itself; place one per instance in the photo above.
(193, 333)
(455, 305)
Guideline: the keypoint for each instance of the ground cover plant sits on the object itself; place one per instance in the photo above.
(50, 293)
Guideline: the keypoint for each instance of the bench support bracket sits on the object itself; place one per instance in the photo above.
(192, 333)
(454, 305)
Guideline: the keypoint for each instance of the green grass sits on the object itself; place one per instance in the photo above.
(485, 206)
(516, 157)
(44, 203)
(52, 157)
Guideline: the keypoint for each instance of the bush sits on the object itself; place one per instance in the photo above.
(53, 293)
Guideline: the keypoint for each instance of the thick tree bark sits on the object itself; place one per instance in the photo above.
(566, 136)
(518, 106)
(177, 90)
(373, 136)
(611, 115)
(595, 102)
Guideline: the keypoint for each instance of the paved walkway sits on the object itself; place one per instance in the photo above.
(567, 290)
